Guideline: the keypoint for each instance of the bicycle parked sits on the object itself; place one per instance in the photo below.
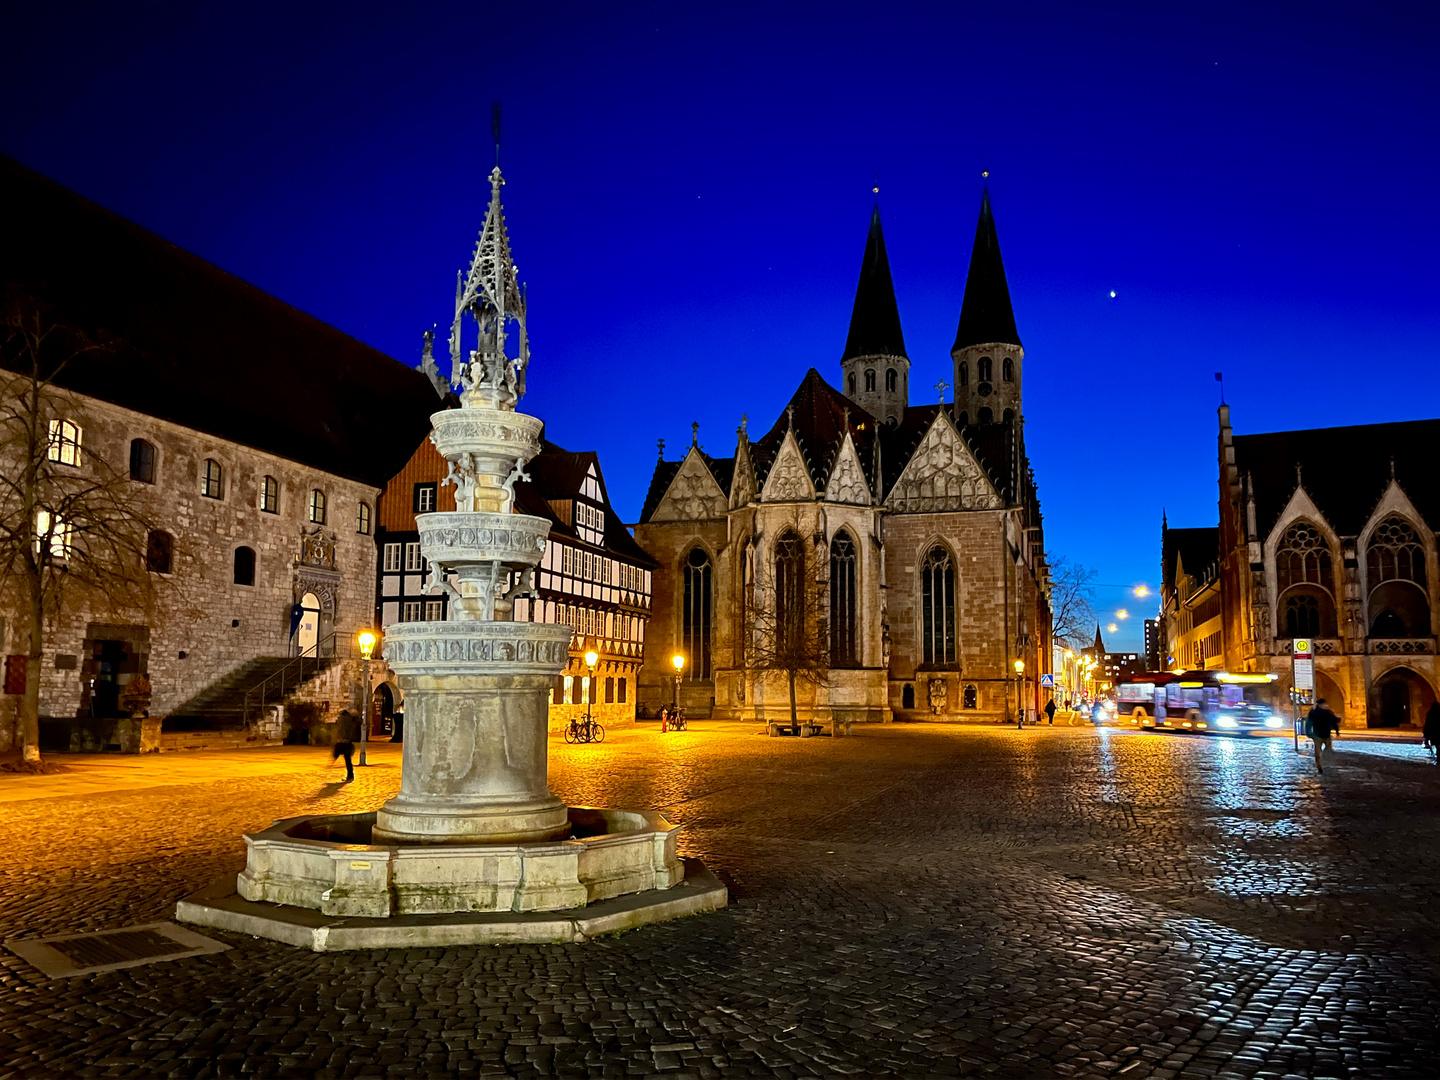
(584, 730)
(672, 720)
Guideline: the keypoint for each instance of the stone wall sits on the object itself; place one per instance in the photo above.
(203, 626)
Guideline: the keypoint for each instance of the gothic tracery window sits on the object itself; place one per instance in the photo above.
(1394, 553)
(1303, 557)
(843, 650)
(789, 591)
(695, 617)
(937, 607)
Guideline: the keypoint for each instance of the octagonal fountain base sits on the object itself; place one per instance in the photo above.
(320, 883)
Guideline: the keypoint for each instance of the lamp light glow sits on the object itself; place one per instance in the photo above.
(366, 640)
(591, 659)
(679, 662)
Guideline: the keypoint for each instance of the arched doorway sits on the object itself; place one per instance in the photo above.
(1399, 697)
(307, 634)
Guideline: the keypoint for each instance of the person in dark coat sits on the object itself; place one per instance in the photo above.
(1432, 727)
(348, 729)
(1050, 709)
(1323, 725)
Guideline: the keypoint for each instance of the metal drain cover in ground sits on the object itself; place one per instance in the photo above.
(64, 955)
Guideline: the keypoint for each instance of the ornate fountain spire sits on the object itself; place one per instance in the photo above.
(489, 377)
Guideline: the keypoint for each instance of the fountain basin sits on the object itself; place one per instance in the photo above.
(328, 864)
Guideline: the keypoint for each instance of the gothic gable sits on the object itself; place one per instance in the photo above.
(847, 479)
(789, 480)
(942, 474)
(692, 495)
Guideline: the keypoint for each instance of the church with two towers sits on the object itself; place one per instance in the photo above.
(917, 527)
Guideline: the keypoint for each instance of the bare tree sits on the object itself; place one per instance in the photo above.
(69, 532)
(786, 627)
(1072, 603)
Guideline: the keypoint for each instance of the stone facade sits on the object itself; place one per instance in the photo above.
(203, 625)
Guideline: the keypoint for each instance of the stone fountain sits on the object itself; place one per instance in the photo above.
(474, 847)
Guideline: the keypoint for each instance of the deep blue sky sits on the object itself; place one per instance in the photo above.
(689, 188)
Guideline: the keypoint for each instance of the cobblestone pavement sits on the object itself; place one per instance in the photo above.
(912, 901)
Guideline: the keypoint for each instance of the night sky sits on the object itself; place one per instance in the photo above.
(689, 187)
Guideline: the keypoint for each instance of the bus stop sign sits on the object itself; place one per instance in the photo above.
(1302, 662)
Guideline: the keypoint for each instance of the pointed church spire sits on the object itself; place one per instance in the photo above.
(1099, 641)
(985, 314)
(875, 319)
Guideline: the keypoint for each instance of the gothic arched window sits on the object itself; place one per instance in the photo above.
(937, 607)
(984, 371)
(1007, 369)
(869, 378)
(962, 374)
(695, 617)
(789, 592)
(843, 650)
(891, 379)
(1394, 553)
(1303, 557)
(1302, 616)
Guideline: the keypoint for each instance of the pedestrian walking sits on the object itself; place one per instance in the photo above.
(1432, 729)
(1050, 709)
(348, 729)
(1322, 724)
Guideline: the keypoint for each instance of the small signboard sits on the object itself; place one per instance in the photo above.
(1302, 662)
(1047, 680)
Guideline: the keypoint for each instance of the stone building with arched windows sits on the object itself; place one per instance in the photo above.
(1329, 534)
(916, 527)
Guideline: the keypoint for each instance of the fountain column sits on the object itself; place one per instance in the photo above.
(476, 684)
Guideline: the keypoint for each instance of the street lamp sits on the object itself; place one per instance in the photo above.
(591, 659)
(1020, 688)
(366, 640)
(679, 662)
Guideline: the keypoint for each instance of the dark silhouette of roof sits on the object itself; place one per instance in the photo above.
(875, 318)
(821, 416)
(1345, 470)
(1197, 549)
(722, 469)
(558, 474)
(194, 345)
(985, 314)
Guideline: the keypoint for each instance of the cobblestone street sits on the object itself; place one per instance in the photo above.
(912, 901)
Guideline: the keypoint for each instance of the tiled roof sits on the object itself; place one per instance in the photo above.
(557, 473)
(198, 347)
(821, 416)
(1198, 550)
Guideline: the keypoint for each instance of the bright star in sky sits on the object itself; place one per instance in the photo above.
(1112, 294)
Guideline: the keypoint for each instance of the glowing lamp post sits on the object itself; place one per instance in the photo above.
(1020, 689)
(366, 640)
(679, 662)
(591, 659)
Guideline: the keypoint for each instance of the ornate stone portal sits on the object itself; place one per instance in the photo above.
(474, 827)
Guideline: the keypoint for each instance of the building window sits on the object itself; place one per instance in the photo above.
(569, 690)
(142, 461)
(317, 507)
(411, 611)
(244, 566)
(413, 558)
(1394, 553)
(962, 375)
(212, 480)
(695, 617)
(434, 610)
(937, 606)
(789, 593)
(64, 442)
(891, 379)
(984, 370)
(971, 697)
(1302, 616)
(1303, 557)
(362, 518)
(1007, 369)
(984, 416)
(392, 557)
(852, 384)
(609, 689)
(869, 379)
(270, 495)
(620, 695)
(424, 499)
(59, 531)
(159, 549)
(843, 651)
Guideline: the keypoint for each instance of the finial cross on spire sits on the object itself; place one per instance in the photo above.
(941, 387)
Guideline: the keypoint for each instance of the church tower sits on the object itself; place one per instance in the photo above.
(876, 371)
(987, 350)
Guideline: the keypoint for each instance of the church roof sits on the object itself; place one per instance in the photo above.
(992, 444)
(875, 318)
(1345, 470)
(722, 469)
(198, 347)
(820, 416)
(985, 314)
(1197, 549)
